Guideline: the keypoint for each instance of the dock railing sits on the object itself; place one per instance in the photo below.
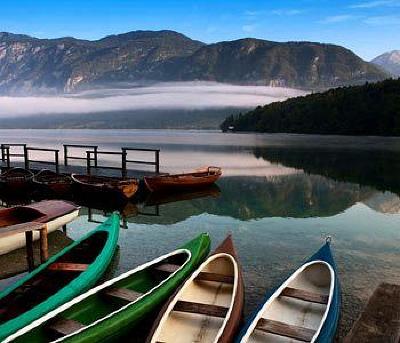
(67, 156)
(155, 163)
(28, 160)
(89, 160)
(6, 154)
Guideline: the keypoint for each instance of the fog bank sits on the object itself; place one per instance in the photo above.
(177, 95)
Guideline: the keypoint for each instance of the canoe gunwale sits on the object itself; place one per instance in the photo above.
(190, 280)
(285, 284)
(101, 287)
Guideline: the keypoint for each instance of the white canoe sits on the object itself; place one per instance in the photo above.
(298, 309)
(208, 307)
(55, 213)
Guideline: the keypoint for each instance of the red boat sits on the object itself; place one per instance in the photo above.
(199, 178)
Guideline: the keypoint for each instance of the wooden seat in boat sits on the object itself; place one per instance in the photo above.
(68, 267)
(199, 308)
(63, 327)
(123, 293)
(206, 276)
(167, 267)
(305, 295)
(282, 329)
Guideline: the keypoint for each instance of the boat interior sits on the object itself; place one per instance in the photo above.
(199, 311)
(17, 215)
(16, 174)
(108, 300)
(296, 313)
(52, 279)
(48, 177)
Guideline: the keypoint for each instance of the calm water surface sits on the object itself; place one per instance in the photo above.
(280, 196)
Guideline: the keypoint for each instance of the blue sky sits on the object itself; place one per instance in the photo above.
(368, 27)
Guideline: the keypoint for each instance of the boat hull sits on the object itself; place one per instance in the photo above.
(183, 325)
(83, 281)
(55, 213)
(84, 187)
(319, 317)
(189, 181)
(110, 326)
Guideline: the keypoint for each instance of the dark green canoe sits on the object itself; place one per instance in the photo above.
(110, 310)
(67, 274)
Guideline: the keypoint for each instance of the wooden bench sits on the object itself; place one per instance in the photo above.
(282, 329)
(305, 295)
(68, 267)
(206, 276)
(198, 308)
(123, 293)
(63, 327)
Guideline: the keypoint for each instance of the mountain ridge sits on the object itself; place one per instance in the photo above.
(389, 61)
(30, 65)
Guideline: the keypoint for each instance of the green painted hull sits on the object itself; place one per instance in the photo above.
(79, 284)
(107, 320)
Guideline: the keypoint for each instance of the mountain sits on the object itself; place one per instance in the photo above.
(371, 109)
(30, 65)
(389, 61)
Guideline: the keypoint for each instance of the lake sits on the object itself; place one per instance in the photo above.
(280, 196)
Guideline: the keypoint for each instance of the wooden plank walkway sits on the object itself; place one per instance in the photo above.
(380, 320)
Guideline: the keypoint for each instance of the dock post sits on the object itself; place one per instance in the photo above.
(8, 157)
(44, 247)
(64, 229)
(26, 157)
(57, 162)
(65, 155)
(2, 153)
(157, 161)
(123, 171)
(95, 156)
(88, 166)
(29, 250)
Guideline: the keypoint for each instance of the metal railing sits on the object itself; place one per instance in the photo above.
(67, 157)
(28, 161)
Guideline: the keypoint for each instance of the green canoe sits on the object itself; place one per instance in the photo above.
(65, 275)
(108, 311)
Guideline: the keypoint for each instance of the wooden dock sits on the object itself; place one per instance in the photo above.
(22, 155)
(380, 320)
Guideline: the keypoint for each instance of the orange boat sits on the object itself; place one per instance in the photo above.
(199, 178)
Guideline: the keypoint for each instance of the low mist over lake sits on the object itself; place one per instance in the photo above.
(200, 104)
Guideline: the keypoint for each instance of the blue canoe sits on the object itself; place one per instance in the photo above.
(304, 308)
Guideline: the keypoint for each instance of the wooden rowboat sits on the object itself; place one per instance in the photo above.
(54, 213)
(108, 311)
(91, 185)
(64, 276)
(16, 180)
(304, 308)
(208, 307)
(199, 178)
(52, 183)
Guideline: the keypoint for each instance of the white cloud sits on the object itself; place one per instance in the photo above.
(377, 3)
(383, 20)
(178, 95)
(338, 19)
(287, 12)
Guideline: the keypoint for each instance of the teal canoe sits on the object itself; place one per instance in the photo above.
(64, 276)
(111, 310)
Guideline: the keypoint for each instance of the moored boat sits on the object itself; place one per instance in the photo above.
(64, 276)
(91, 185)
(304, 308)
(106, 312)
(54, 213)
(16, 180)
(208, 307)
(52, 183)
(199, 178)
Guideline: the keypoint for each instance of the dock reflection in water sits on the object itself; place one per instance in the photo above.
(280, 195)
